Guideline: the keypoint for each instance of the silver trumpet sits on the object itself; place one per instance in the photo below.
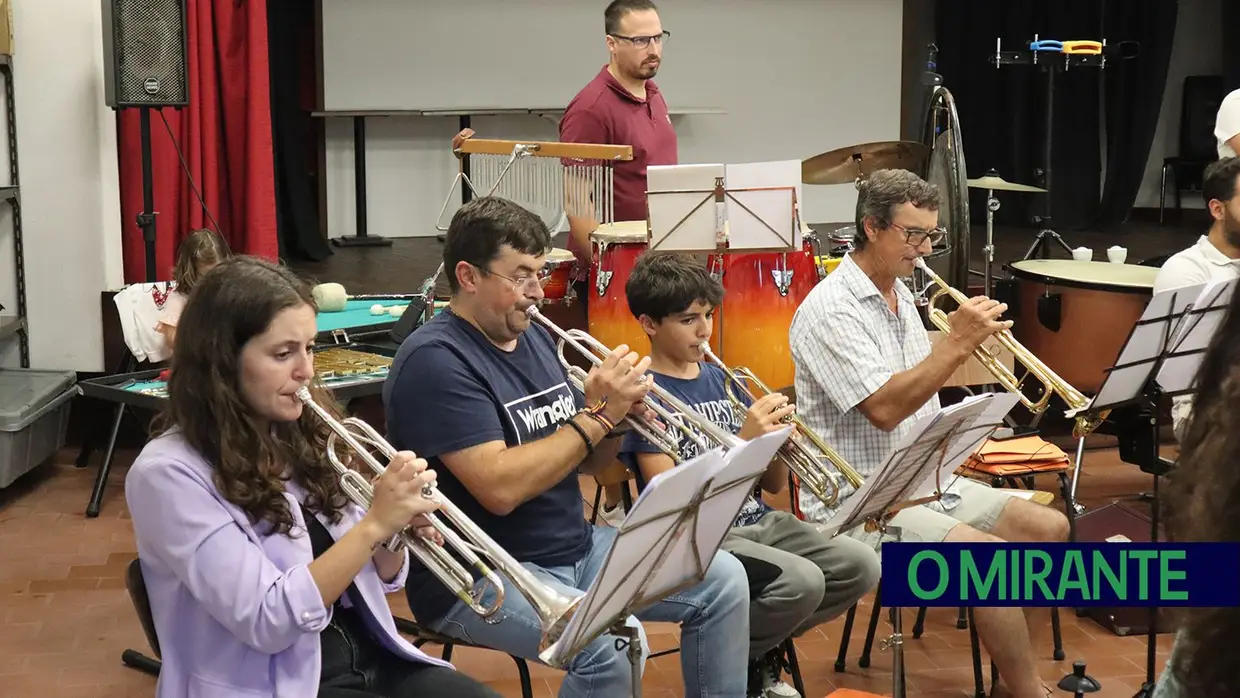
(669, 409)
(554, 610)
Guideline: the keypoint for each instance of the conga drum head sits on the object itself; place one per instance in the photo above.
(621, 232)
(1076, 315)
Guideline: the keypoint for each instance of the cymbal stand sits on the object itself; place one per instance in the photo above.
(992, 205)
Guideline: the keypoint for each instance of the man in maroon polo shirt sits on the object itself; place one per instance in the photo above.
(621, 106)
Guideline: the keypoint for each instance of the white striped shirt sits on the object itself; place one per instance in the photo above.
(846, 344)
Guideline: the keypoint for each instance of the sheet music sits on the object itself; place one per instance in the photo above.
(645, 531)
(907, 468)
(774, 207)
(1149, 339)
(724, 480)
(968, 439)
(683, 213)
(1193, 336)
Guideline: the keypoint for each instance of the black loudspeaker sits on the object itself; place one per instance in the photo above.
(145, 59)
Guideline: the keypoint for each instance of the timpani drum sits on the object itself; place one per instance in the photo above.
(615, 248)
(763, 291)
(559, 288)
(1076, 315)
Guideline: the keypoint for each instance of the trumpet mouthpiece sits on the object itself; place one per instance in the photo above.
(303, 393)
(920, 263)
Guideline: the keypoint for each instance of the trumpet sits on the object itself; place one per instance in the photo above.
(669, 409)
(554, 610)
(805, 451)
(1051, 382)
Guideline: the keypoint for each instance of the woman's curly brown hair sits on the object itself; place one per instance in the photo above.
(1203, 505)
(233, 303)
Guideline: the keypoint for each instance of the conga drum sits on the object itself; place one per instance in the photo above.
(558, 304)
(559, 266)
(615, 248)
(1075, 316)
(762, 292)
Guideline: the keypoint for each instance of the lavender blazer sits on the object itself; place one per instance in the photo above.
(236, 611)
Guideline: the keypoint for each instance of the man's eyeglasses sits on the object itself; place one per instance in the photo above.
(915, 237)
(523, 284)
(644, 41)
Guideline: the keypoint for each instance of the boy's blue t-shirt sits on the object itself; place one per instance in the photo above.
(449, 388)
(707, 395)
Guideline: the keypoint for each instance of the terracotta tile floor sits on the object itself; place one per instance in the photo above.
(66, 616)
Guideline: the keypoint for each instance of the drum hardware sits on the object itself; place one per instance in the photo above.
(855, 163)
(992, 182)
(615, 249)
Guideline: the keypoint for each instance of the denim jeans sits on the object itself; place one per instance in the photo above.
(713, 617)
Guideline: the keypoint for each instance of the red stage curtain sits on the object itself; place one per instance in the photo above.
(224, 135)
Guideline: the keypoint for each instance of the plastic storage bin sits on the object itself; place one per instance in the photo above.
(34, 415)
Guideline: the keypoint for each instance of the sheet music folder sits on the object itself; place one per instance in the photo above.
(1166, 345)
(668, 539)
(928, 455)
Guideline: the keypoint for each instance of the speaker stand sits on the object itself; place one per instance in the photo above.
(362, 238)
(146, 219)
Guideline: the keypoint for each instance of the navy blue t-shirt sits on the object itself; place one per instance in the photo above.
(707, 395)
(450, 388)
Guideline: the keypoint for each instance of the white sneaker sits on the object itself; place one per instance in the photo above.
(614, 516)
(774, 687)
(770, 670)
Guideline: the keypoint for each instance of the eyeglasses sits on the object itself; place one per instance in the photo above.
(644, 41)
(523, 284)
(915, 237)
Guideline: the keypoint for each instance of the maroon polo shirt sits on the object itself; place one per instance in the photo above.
(605, 112)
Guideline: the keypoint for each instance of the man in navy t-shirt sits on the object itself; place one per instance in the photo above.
(799, 576)
(480, 393)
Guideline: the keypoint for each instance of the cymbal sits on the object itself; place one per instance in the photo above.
(844, 165)
(1000, 184)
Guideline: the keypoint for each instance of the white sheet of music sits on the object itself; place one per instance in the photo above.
(912, 464)
(1149, 339)
(1193, 336)
(769, 203)
(650, 528)
(969, 438)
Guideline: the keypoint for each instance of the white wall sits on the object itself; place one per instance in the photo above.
(1197, 51)
(70, 198)
(826, 80)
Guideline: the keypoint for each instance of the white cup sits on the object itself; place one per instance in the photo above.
(1082, 254)
(1117, 254)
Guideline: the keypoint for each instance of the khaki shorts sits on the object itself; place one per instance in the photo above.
(979, 506)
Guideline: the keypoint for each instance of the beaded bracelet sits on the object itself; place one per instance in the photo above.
(581, 431)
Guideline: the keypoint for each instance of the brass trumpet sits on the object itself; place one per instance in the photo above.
(805, 451)
(472, 543)
(1051, 382)
(676, 414)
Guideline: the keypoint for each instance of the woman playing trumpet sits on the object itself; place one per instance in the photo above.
(263, 578)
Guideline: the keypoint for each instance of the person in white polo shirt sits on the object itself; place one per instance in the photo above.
(1227, 125)
(1215, 256)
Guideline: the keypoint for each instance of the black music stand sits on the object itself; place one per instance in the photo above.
(665, 545)
(913, 475)
(1051, 64)
(1161, 357)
